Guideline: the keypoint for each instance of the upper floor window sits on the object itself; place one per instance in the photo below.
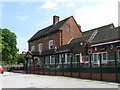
(40, 47)
(50, 44)
(33, 48)
(67, 27)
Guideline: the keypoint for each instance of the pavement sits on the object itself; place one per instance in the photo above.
(18, 79)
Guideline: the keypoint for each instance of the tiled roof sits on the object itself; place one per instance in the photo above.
(70, 47)
(48, 30)
(102, 28)
(65, 48)
(81, 39)
(107, 35)
(88, 34)
(48, 52)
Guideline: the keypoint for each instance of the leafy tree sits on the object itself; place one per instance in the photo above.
(9, 43)
(20, 58)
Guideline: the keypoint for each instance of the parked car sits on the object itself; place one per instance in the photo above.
(1, 69)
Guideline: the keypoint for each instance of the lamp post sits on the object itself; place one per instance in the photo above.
(55, 58)
(90, 54)
(71, 56)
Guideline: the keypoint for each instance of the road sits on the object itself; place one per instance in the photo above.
(19, 80)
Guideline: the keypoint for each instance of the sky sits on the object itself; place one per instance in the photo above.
(26, 17)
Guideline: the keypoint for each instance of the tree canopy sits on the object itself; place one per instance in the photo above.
(9, 42)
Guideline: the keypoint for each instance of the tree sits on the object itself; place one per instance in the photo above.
(20, 58)
(9, 43)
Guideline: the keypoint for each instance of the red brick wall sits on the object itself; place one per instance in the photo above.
(73, 33)
(45, 41)
(59, 38)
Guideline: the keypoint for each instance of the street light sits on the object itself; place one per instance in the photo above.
(55, 49)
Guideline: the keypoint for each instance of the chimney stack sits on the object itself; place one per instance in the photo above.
(55, 19)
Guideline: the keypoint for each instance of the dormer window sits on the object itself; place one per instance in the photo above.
(50, 44)
(33, 48)
(67, 27)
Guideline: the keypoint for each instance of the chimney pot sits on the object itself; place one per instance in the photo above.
(55, 19)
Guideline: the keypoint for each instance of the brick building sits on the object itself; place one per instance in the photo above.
(104, 44)
(63, 49)
(43, 44)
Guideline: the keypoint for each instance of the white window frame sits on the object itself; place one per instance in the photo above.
(32, 48)
(40, 46)
(118, 55)
(47, 58)
(51, 59)
(60, 59)
(66, 58)
(67, 27)
(103, 61)
(50, 41)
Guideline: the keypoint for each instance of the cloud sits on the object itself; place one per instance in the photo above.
(98, 15)
(49, 5)
(70, 5)
(22, 18)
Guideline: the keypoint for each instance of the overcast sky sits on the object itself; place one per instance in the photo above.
(26, 17)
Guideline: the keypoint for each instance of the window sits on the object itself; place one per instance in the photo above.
(104, 56)
(62, 58)
(119, 55)
(52, 59)
(95, 57)
(112, 55)
(68, 58)
(50, 44)
(33, 48)
(100, 56)
(40, 47)
(68, 28)
(47, 60)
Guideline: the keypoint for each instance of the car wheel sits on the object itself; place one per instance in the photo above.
(2, 72)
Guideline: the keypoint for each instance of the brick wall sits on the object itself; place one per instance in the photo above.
(73, 33)
(45, 41)
(60, 38)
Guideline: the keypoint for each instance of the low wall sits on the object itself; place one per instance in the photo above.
(105, 75)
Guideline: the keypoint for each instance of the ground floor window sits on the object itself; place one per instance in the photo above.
(62, 58)
(52, 59)
(68, 58)
(47, 60)
(111, 55)
(119, 55)
(76, 58)
(100, 56)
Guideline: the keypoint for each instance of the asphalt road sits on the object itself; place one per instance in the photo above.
(19, 80)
